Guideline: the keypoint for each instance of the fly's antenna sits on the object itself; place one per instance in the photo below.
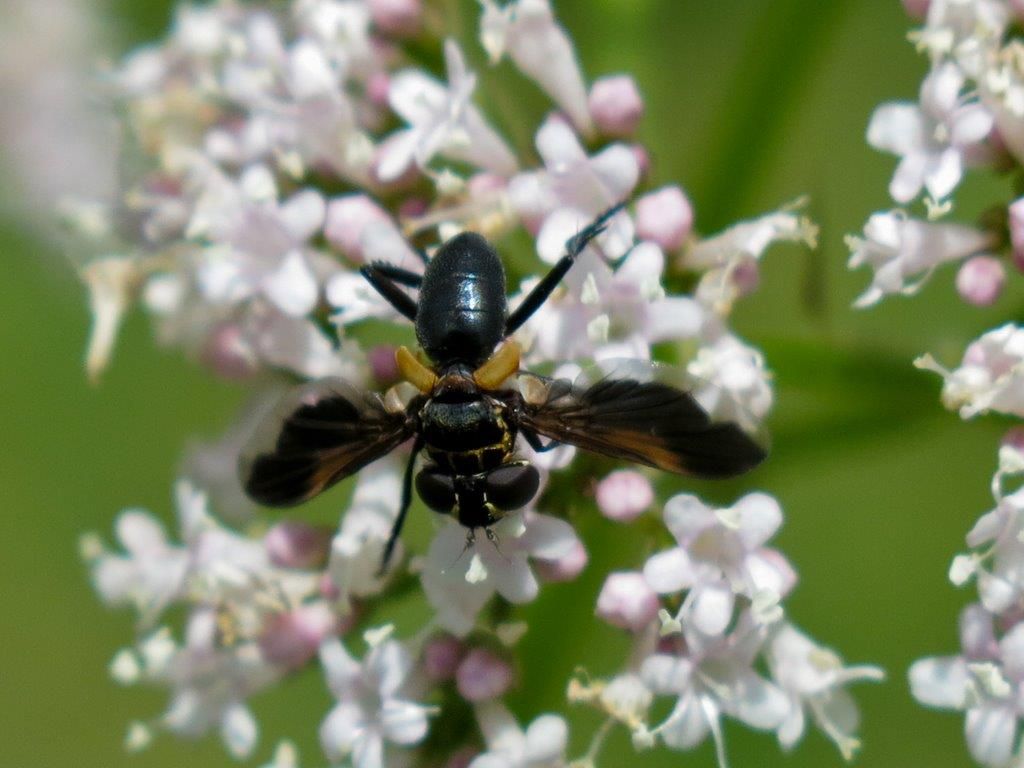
(493, 538)
(470, 541)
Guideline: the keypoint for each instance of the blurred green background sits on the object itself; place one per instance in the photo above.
(751, 103)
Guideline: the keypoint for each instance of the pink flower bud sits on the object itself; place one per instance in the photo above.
(294, 544)
(746, 277)
(441, 657)
(399, 18)
(980, 280)
(347, 220)
(624, 495)
(664, 216)
(483, 676)
(1017, 6)
(643, 160)
(377, 89)
(462, 758)
(1014, 438)
(565, 568)
(412, 207)
(916, 9)
(616, 105)
(292, 639)
(383, 364)
(327, 588)
(627, 601)
(1016, 221)
(228, 353)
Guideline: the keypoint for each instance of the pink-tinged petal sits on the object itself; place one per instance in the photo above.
(1011, 651)
(990, 733)
(292, 286)
(514, 580)
(972, 124)
(943, 176)
(556, 230)
(759, 518)
(239, 731)
(546, 738)
(389, 665)
(758, 703)
(675, 317)
(303, 214)
(897, 127)
(617, 168)
(710, 607)
(665, 216)
(347, 218)
(908, 178)
(340, 730)
(416, 97)
(616, 105)
(396, 154)
(547, 537)
(483, 676)
(665, 674)
(624, 495)
(669, 571)
(558, 145)
(140, 533)
(977, 633)
(340, 668)
(627, 601)
(996, 593)
(309, 72)
(687, 516)
(987, 528)
(769, 569)
(687, 726)
(941, 90)
(791, 730)
(940, 681)
(369, 750)
(404, 722)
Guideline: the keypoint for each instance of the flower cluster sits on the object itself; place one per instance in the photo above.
(969, 115)
(277, 151)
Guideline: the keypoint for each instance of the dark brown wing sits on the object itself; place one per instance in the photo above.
(320, 433)
(647, 422)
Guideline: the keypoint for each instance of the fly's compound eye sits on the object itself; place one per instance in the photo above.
(512, 486)
(437, 490)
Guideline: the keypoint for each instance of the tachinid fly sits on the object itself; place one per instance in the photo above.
(472, 400)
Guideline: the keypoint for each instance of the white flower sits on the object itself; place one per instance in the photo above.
(963, 29)
(986, 680)
(933, 138)
(712, 676)
(720, 555)
(989, 377)
(814, 678)
(370, 709)
(528, 32)
(1001, 584)
(541, 745)
(210, 682)
(573, 189)
(606, 313)
(732, 382)
(442, 121)
(259, 246)
(899, 248)
(459, 577)
(358, 547)
(730, 259)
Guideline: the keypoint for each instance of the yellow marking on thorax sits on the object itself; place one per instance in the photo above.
(415, 372)
(499, 367)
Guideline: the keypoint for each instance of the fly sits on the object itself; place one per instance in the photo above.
(472, 401)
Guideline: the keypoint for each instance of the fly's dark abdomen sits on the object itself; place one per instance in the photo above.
(462, 307)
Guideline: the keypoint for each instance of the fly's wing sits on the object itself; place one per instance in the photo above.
(634, 413)
(320, 433)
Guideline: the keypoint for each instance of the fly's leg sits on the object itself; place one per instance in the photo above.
(534, 441)
(397, 274)
(385, 284)
(573, 248)
(396, 529)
